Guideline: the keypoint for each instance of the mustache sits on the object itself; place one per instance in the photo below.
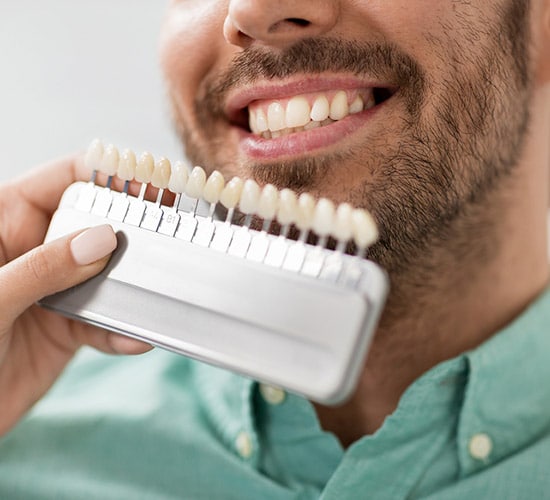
(382, 61)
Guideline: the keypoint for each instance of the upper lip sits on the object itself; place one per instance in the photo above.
(240, 99)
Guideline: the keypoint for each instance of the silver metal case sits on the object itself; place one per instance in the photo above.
(306, 334)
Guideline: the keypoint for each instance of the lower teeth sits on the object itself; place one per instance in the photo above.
(268, 134)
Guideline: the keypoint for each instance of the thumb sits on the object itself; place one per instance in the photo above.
(53, 267)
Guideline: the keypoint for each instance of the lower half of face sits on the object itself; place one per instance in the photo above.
(432, 136)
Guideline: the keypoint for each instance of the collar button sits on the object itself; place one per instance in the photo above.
(272, 395)
(243, 443)
(480, 446)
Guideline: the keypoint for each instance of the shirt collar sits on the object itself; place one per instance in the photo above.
(499, 390)
(507, 398)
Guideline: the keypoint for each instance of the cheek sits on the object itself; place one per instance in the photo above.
(429, 30)
(191, 46)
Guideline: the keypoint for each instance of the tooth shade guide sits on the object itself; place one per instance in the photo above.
(265, 211)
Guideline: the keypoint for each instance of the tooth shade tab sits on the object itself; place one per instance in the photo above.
(304, 212)
(94, 155)
(161, 173)
(249, 197)
(231, 193)
(178, 178)
(365, 232)
(323, 217)
(196, 182)
(319, 217)
(109, 161)
(127, 165)
(214, 187)
(288, 206)
(267, 204)
(145, 167)
(342, 229)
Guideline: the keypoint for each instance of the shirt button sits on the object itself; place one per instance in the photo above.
(273, 395)
(480, 446)
(243, 443)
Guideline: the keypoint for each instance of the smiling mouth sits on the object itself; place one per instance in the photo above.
(274, 118)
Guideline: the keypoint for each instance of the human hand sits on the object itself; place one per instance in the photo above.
(35, 344)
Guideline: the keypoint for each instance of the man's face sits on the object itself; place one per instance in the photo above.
(443, 89)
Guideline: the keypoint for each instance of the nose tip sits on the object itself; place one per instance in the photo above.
(277, 23)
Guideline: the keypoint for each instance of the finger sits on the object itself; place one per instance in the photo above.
(43, 186)
(106, 341)
(53, 267)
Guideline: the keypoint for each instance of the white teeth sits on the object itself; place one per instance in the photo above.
(145, 167)
(356, 106)
(109, 162)
(231, 193)
(299, 115)
(320, 109)
(323, 217)
(288, 203)
(257, 121)
(342, 229)
(195, 183)
(297, 112)
(276, 117)
(370, 102)
(304, 213)
(339, 106)
(178, 178)
(249, 197)
(365, 232)
(94, 154)
(261, 121)
(213, 187)
(267, 204)
(161, 173)
(127, 165)
(312, 125)
(252, 121)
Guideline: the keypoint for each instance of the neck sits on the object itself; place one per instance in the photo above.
(454, 300)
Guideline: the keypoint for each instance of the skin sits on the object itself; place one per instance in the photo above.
(490, 218)
(454, 166)
(35, 344)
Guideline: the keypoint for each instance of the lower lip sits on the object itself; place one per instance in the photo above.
(297, 144)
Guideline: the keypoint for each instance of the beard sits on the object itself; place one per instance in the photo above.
(459, 137)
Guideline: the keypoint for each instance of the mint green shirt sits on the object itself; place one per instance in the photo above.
(159, 426)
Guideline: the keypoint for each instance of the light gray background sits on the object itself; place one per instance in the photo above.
(75, 70)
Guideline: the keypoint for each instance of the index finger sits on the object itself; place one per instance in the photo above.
(43, 186)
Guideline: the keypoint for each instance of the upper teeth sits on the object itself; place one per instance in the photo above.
(304, 112)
